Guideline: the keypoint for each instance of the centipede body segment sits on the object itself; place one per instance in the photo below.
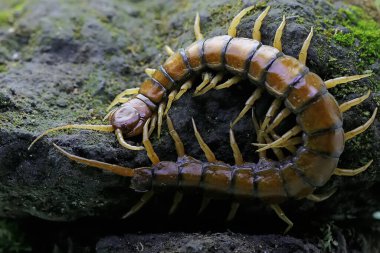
(306, 155)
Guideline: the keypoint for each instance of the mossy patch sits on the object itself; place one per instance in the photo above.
(363, 34)
(7, 16)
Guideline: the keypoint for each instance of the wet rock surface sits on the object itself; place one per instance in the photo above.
(63, 63)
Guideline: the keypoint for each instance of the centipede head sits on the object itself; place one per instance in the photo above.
(130, 117)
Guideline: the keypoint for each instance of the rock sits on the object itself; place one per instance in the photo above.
(74, 58)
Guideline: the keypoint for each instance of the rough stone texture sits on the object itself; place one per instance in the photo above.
(63, 62)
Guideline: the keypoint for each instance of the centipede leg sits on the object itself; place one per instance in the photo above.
(270, 114)
(150, 71)
(235, 149)
(171, 98)
(122, 142)
(197, 28)
(360, 129)
(177, 199)
(320, 197)
(228, 83)
(144, 199)
(259, 136)
(148, 145)
(177, 140)
(344, 79)
(169, 50)
(290, 144)
(249, 104)
(303, 53)
(120, 98)
(347, 105)
(206, 78)
(234, 207)
(185, 87)
(152, 124)
(278, 152)
(353, 172)
(204, 204)
(207, 151)
(256, 34)
(217, 78)
(282, 141)
(283, 217)
(277, 37)
(236, 20)
(278, 119)
(160, 115)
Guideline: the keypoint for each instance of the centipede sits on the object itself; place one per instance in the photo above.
(313, 146)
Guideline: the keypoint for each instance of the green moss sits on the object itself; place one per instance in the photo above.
(7, 16)
(364, 34)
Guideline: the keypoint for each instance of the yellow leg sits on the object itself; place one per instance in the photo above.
(211, 85)
(205, 202)
(280, 117)
(344, 79)
(283, 217)
(152, 125)
(150, 71)
(119, 170)
(120, 97)
(171, 98)
(271, 112)
(256, 34)
(100, 128)
(160, 114)
(177, 140)
(197, 28)
(177, 199)
(249, 104)
(120, 139)
(259, 134)
(320, 197)
(208, 153)
(347, 105)
(289, 147)
(185, 87)
(228, 83)
(206, 78)
(233, 210)
(235, 22)
(281, 141)
(303, 54)
(144, 199)
(235, 149)
(350, 173)
(148, 145)
(168, 50)
(361, 129)
(277, 37)
(278, 152)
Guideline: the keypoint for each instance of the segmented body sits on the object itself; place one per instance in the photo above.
(303, 92)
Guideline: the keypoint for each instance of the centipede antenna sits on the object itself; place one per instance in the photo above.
(347, 105)
(120, 97)
(282, 141)
(277, 37)
(235, 149)
(206, 150)
(206, 78)
(344, 79)
(279, 118)
(217, 78)
(228, 83)
(360, 129)
(321, 197)
(119, 170)
(144, 199)
(160, 114)
(204, 204)
(236, 20)
(283, 217)
(353, 172)
(169, 50)
(256, 34)
(177, 199)
(249, 104)
(100, 128)
(150, 71)
(122, 142)
(234, 207)
(148, 145)
(303, 53)
(197, 28)
(185, 87)
(177, 140)
(170, 101)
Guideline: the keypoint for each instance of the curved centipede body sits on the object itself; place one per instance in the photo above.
(314, 144)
